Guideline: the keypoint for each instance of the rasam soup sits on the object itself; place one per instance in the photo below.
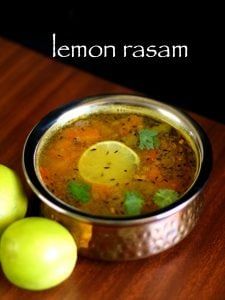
(117, 164)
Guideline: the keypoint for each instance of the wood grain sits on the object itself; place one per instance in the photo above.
(30, 86)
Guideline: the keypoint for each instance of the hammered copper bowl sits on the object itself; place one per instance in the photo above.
(122, 238)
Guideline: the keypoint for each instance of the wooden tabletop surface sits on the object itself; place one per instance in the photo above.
(30, 86)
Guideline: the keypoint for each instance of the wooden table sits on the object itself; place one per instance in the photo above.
(30, 86)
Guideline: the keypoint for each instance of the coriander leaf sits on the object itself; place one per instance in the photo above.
(133, 203)
(165, 197)
(148, 139)
(80, 191)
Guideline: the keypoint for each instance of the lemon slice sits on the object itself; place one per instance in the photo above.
(108, 162)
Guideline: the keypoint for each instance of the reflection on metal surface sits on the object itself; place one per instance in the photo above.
(81, 232)
(130, 242)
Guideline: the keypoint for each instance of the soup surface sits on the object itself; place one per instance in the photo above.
(117, 164)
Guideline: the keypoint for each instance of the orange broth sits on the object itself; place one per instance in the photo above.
(171, 164)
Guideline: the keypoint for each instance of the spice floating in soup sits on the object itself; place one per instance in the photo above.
(117, 164)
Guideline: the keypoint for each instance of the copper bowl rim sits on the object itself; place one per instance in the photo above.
(39, 130)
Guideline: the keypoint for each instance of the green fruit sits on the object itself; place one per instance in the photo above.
(37, 253)
(13, 202)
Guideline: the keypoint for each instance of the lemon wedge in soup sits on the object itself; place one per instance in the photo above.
(108, 162)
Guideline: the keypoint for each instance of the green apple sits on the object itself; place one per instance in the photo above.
(13, 202)
(37, 253)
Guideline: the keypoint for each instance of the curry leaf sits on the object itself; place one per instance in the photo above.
(80, 191)
(133, 203)
(165, 197)
(148, 139)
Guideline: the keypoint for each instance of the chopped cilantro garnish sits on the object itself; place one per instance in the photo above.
(133, 203)
(80, 191)
(164, 197)
(148, 139)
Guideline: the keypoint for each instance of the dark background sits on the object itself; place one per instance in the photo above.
(179, 81)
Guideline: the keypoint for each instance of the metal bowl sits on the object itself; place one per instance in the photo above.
(122, 238)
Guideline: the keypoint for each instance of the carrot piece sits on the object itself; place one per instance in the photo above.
(153, 173)
(153, 154)
(91, 134)
(170, 184)
(70, 133)
(44, 173)
(87, 134)
(60, 148)
(101, 191)
(135, 120)
(150, 154)
(128, 124)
